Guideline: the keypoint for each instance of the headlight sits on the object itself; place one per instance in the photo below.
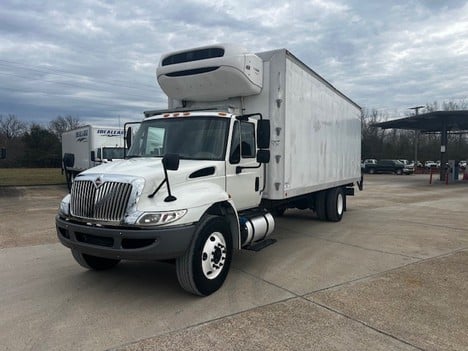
(159, 218)
(64, 208)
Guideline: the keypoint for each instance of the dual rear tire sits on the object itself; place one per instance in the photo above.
(330, 204)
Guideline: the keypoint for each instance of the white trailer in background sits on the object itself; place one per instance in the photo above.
(89, 146)
(245, 136)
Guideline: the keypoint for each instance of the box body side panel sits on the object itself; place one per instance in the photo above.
(316, 131)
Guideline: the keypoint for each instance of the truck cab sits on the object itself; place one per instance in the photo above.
(220, 148)
(182, 171)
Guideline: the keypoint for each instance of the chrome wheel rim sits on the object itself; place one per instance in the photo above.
(213, 255)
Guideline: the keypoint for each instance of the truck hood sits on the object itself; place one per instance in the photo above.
(151, 169)
(191, 180)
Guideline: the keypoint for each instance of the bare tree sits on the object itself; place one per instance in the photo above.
(11, 127)
(62, 124)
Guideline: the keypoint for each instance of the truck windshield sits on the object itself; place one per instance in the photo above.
(110, 153)
(193, 138)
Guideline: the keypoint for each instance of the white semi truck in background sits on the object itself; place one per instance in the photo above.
(89, 146)
(245, 136)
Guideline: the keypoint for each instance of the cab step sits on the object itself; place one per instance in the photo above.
(260, 245)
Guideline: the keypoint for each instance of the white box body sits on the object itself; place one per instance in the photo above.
(81, 141)
(315, 129)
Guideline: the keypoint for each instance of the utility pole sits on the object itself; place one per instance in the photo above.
(416, 137)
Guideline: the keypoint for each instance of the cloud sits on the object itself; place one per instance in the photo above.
(97, 59)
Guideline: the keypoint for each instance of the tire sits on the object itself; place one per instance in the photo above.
(204, 267)
(94, 262)
(320, 205)
(371, 171)
(335, 204)
(399, 171)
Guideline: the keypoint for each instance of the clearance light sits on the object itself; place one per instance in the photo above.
(186, 113)
(223, 114)
(166, 115)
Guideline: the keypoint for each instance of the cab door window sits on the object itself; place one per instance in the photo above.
(248, 149)
(234, 154)
(243, 142)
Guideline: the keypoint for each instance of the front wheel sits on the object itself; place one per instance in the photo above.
(204, 267)
(94, 262)
(399, 171)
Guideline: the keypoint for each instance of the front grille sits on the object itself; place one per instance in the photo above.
(107, 202)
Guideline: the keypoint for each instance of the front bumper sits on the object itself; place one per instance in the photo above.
(127, 244)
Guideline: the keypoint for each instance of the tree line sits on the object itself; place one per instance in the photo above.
(35, 145)
(32, 144)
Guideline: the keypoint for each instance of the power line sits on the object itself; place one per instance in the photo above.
(64, 83)
(72, 75)
(116, 105)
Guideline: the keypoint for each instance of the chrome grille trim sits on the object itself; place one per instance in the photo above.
(107, 202)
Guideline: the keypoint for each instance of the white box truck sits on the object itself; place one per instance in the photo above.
(89, 146)
(245, 136)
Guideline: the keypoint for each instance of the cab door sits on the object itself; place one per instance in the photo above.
(244, 185)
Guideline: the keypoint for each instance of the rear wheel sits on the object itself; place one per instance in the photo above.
(204, 267)
(371, 171)
(94, 262)
(320, 205)
(335, 204)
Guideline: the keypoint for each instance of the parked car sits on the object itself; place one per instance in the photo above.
(430, 164)
(409, 166)
(388, 166)
(368, 161)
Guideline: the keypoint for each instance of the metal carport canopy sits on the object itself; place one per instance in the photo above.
(438, 121)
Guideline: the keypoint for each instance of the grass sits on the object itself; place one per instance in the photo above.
(31, 176)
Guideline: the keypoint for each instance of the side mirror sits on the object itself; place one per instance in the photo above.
(263, 156)
(171, 162)
(3, 153)
(263, 134)
(128, 137)
(93, 156)
(68, 160)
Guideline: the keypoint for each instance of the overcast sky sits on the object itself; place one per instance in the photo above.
(96, 59)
